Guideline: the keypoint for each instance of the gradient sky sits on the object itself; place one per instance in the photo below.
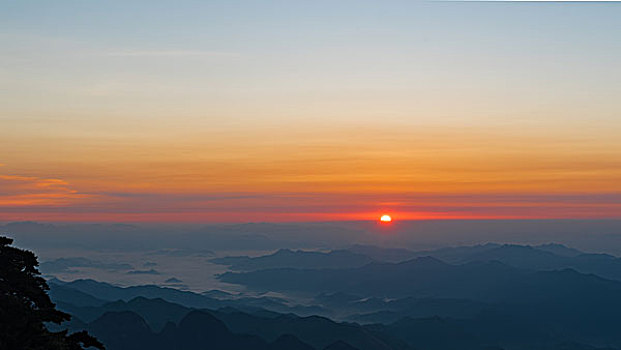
(236, 111)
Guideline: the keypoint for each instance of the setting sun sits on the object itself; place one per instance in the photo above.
(385, 218)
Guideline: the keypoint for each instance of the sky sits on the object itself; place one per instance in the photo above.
(247, 111)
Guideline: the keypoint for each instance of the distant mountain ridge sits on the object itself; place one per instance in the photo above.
(297, 258)
(492, 297)
(94, 293)
(550, 256)
(426, 277)
(542, 257)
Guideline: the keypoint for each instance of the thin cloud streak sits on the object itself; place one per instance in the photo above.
(32, 198)
(170, 53)
(30, 191)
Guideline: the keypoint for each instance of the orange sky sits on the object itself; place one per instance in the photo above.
(237, 113)
(334, 174)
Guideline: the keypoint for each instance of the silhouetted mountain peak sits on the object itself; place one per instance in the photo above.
(518, 247)
(202, 321)
(55, 280)
(424, 261)
(169, 327)
(559, 249)
(140, 300)
(121, 322)
(285, 252)
(88, 284)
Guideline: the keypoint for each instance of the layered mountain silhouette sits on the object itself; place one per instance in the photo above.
(541, 257)
(430, 277)
(94, 293)
(157, 324)
(302, 259)
(197, 330)
(552, 305)
(492, 296)
(317, 331)
(229, 328)
(367, 310)
(385, 254)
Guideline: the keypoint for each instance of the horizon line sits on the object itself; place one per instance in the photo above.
(293, 222)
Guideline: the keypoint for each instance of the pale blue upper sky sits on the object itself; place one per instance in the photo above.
(366, 57)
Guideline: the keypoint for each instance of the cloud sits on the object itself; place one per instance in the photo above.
(30, 182)
(184, 252)
(68, 265)
(26, 191)
(176, 283)
(169, 53)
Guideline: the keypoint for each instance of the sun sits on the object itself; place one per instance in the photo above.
(385, 218)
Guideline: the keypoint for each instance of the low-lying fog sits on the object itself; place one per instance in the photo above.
(180, 256)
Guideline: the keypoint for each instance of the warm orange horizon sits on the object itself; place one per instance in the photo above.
(336, 118)
(336, 174)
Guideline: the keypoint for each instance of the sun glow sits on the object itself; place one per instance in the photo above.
(385, 218)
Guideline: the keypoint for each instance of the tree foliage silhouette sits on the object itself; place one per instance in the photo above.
(25, 307)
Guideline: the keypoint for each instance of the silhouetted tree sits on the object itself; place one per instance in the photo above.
(25, 307)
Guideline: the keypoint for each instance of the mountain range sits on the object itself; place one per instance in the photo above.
(492, 296)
